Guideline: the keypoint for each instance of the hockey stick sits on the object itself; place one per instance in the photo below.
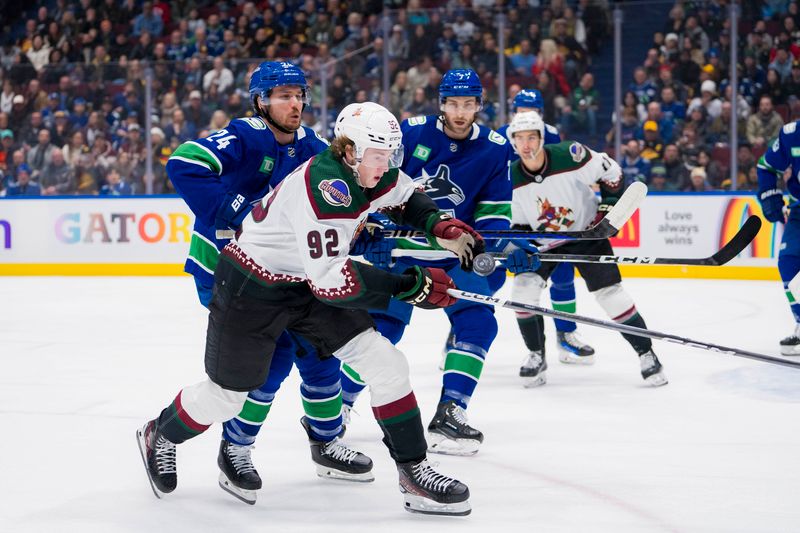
(485, 264)
(616, 217)
(622, 328)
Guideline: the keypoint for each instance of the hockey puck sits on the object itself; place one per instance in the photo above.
(483, 264)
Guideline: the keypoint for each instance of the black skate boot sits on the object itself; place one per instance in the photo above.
(449, 433)
(533, 370)
(429, 492)
(652, 371)
(572, 350)
(791, 344)
(238, 477)
(158, 455)
(336, 461)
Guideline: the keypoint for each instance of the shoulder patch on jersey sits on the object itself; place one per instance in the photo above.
(551, 129)
(335, 192)
(776, 146)
(321, 138)
(417, 121)
(496, 138)
(255, 123)
(577, 151)
(422, 152)
(796, 151)
(790, 127)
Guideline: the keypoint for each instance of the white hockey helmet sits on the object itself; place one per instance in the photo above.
(370, 125)
(527, 121)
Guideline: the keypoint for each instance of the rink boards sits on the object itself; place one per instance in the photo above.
(149, 236)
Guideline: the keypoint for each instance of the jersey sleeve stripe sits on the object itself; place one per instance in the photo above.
(486, 210)
(192, 161)
(763, 165)
(198, 152)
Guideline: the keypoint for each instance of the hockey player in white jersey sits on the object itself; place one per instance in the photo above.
(289, 270)
(552, 192)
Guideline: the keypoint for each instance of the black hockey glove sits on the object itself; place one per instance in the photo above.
(430, 288)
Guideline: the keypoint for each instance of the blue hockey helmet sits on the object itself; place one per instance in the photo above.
(271, 74)
(529, 99)
(460, 82)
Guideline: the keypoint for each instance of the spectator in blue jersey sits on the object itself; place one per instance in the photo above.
(114, 185)
(148, 22)
(642, 87)
(634, 166)
(522, 62)
(23, 186)
(672, 110)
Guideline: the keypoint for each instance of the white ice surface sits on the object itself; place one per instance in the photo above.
(85, 361)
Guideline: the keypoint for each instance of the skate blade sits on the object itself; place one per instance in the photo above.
(332, 473)
(657, 380)
(438, 443)
(570, 358)
(142, 447)
(419, 504)
(536, 381)
(245, 495)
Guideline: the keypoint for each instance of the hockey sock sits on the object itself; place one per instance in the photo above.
(462, 370)
(402, 429)
(323, 407)
(532, 329)
(633, 318)
(243, 429)
(176, 424)
(789, 266)
(562, 294)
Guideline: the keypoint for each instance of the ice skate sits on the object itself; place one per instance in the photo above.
(238, 477)
(791, 344)
(449, 433)
(652, 371)
(336, 461)
(429, 492)
(572, 350)
(158, 455)
(533, 370)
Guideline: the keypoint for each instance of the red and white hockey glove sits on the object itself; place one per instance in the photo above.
(430, 288)
(452, 234)
(602, 211)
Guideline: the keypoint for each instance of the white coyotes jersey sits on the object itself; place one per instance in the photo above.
(560, 197)
(303, 230)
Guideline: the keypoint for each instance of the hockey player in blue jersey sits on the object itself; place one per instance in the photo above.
(571, 349)
(464, 168)
(218, 177)
(782, 154)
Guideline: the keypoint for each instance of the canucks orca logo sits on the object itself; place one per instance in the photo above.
(335, 192)
(440, 187)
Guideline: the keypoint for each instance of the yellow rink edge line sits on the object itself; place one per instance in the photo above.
(175, 269)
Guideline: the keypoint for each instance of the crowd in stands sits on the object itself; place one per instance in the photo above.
(676, 116)
(72, 105)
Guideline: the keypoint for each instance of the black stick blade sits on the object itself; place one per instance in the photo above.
(739, 242)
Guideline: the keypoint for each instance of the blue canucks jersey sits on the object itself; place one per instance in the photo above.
(468, 178)
(783, 153)
(551, 136)
(244, 158)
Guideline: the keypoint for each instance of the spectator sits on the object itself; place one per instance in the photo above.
(398, 43)
(7, 97)
(630, 125)
(634, 167)
(463, 28)
(642, 87)
(581, 115)
(420, 105)
(707, 99)
(218, 121)
(447, 45)
(659, 181)
(400, 94)
(764, 125)
(523, 61)
(697, 181)
(672, 110)
(178, 129)
(719, 129)
(715, 172)
(677, 173)
(7, 148)
(793, 83)
(39, 54)
(23, 186)
(29, 132)
(196, 114)
(40, 155)
(782, 64)
(57, 177)
(652, 144)
(773, 88)
(148, 22)
(61, 129)
(219, 76)
(115, 185)
(551, 61)
(699, 121)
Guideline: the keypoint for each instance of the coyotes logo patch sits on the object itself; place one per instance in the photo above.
(553, 218)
